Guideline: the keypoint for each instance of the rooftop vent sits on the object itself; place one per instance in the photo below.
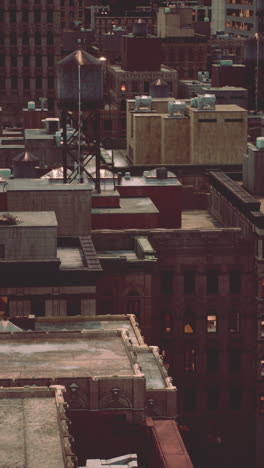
(31, 105)
(176, 109)
(52, 125)
(7, 219)
(143, 103)
(226, 63)
(206, 102)
(260, 143)
(203, 76)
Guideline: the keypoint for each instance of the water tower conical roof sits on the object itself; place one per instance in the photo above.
(80, 57)
(25, 156)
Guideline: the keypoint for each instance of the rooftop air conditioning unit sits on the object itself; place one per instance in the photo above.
(176, 109)
(260, 143)
(206, 102)
(31, 105)
(194, 102)
(143, 103)
(226, 63)
(52, 125)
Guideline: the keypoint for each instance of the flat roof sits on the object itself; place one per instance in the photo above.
(31, 185)
(70, 257)
(220, 108)
(30, 433)
(163, 68)
(61, 354)
(199, 219)
(38, 134)
(137, 205)
(31, 219)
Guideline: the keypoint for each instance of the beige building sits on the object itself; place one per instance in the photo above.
(197, 136)
(174, 22)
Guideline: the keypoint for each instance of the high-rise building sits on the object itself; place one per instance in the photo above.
(244, 17)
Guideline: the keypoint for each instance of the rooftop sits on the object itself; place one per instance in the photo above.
(199, 219)
(30, 429)
(32, 219)
(31, 185)
(130, 205)
(87, 354)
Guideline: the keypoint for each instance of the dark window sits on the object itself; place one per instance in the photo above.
(2, 251)
(123, 124)
(107, 306)
(135, 86)
(74, 305)
(212, 281)
(189, 358)
(49, 38)
(37, 16)
(26, 60)
(166, 282)
(189, 399)
(50, 82)
(189, 282)
(13, 82)
(13, 60)
(233, 120)
(212, 399)
(108, 125)
(234, 360)
(123, 105)
(25, 16)
(1, 38)
(49, 16)
(2, 60)
(235, 398)
(234, 322)
(38, 82)
(207, 120)
(38, 60)
(25, 38)
(12, 16)
(37, 38)
(13, 38)
(38, 306)
(212, 360)
(146, 86)
(234, 281)
(1, 15)
(50, 60)
(26, 83)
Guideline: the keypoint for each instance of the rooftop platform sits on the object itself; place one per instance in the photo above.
(130, 205)
(31, 429)
(199, 219)
(31, 185)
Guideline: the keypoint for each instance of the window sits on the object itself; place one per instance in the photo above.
(123, 105)
(123, 87)
(261, 368)
(262, 326)
(26, 83)
(189, 358)
(135, 86)
(2, 60)
(26, 60)
(212, 360)
(146, 86)
(25, 38)
(19, 307)
(37, 16)
(108, 125)
(2, 251)
(189, 399)
(166, 282)
(234, 321)
(189, 282)
(234, 281)
(167, 323)
(50, 82)
(212, 399)
(38, 82)
(37, 38)
(13, 38)
(133, 303)
(235, 398)
(50, 38)
(13, 60)
(38, 60)
(13, 82)
(211, 323)
(25, 16)
(74, 305)
(50, 60)
(261, 404)
(189, 322)
(234, 360)
(38, 306)
(49, 16)
(212, 281)
(12, 16)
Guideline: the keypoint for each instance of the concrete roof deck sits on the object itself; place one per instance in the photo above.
(130, 205)
(128, 254)
(70, 257)
(88, 354)
(31, 185)
(30, 434)
(31, 219)
(199, 219)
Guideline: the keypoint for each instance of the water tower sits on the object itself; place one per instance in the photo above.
(80, 96)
